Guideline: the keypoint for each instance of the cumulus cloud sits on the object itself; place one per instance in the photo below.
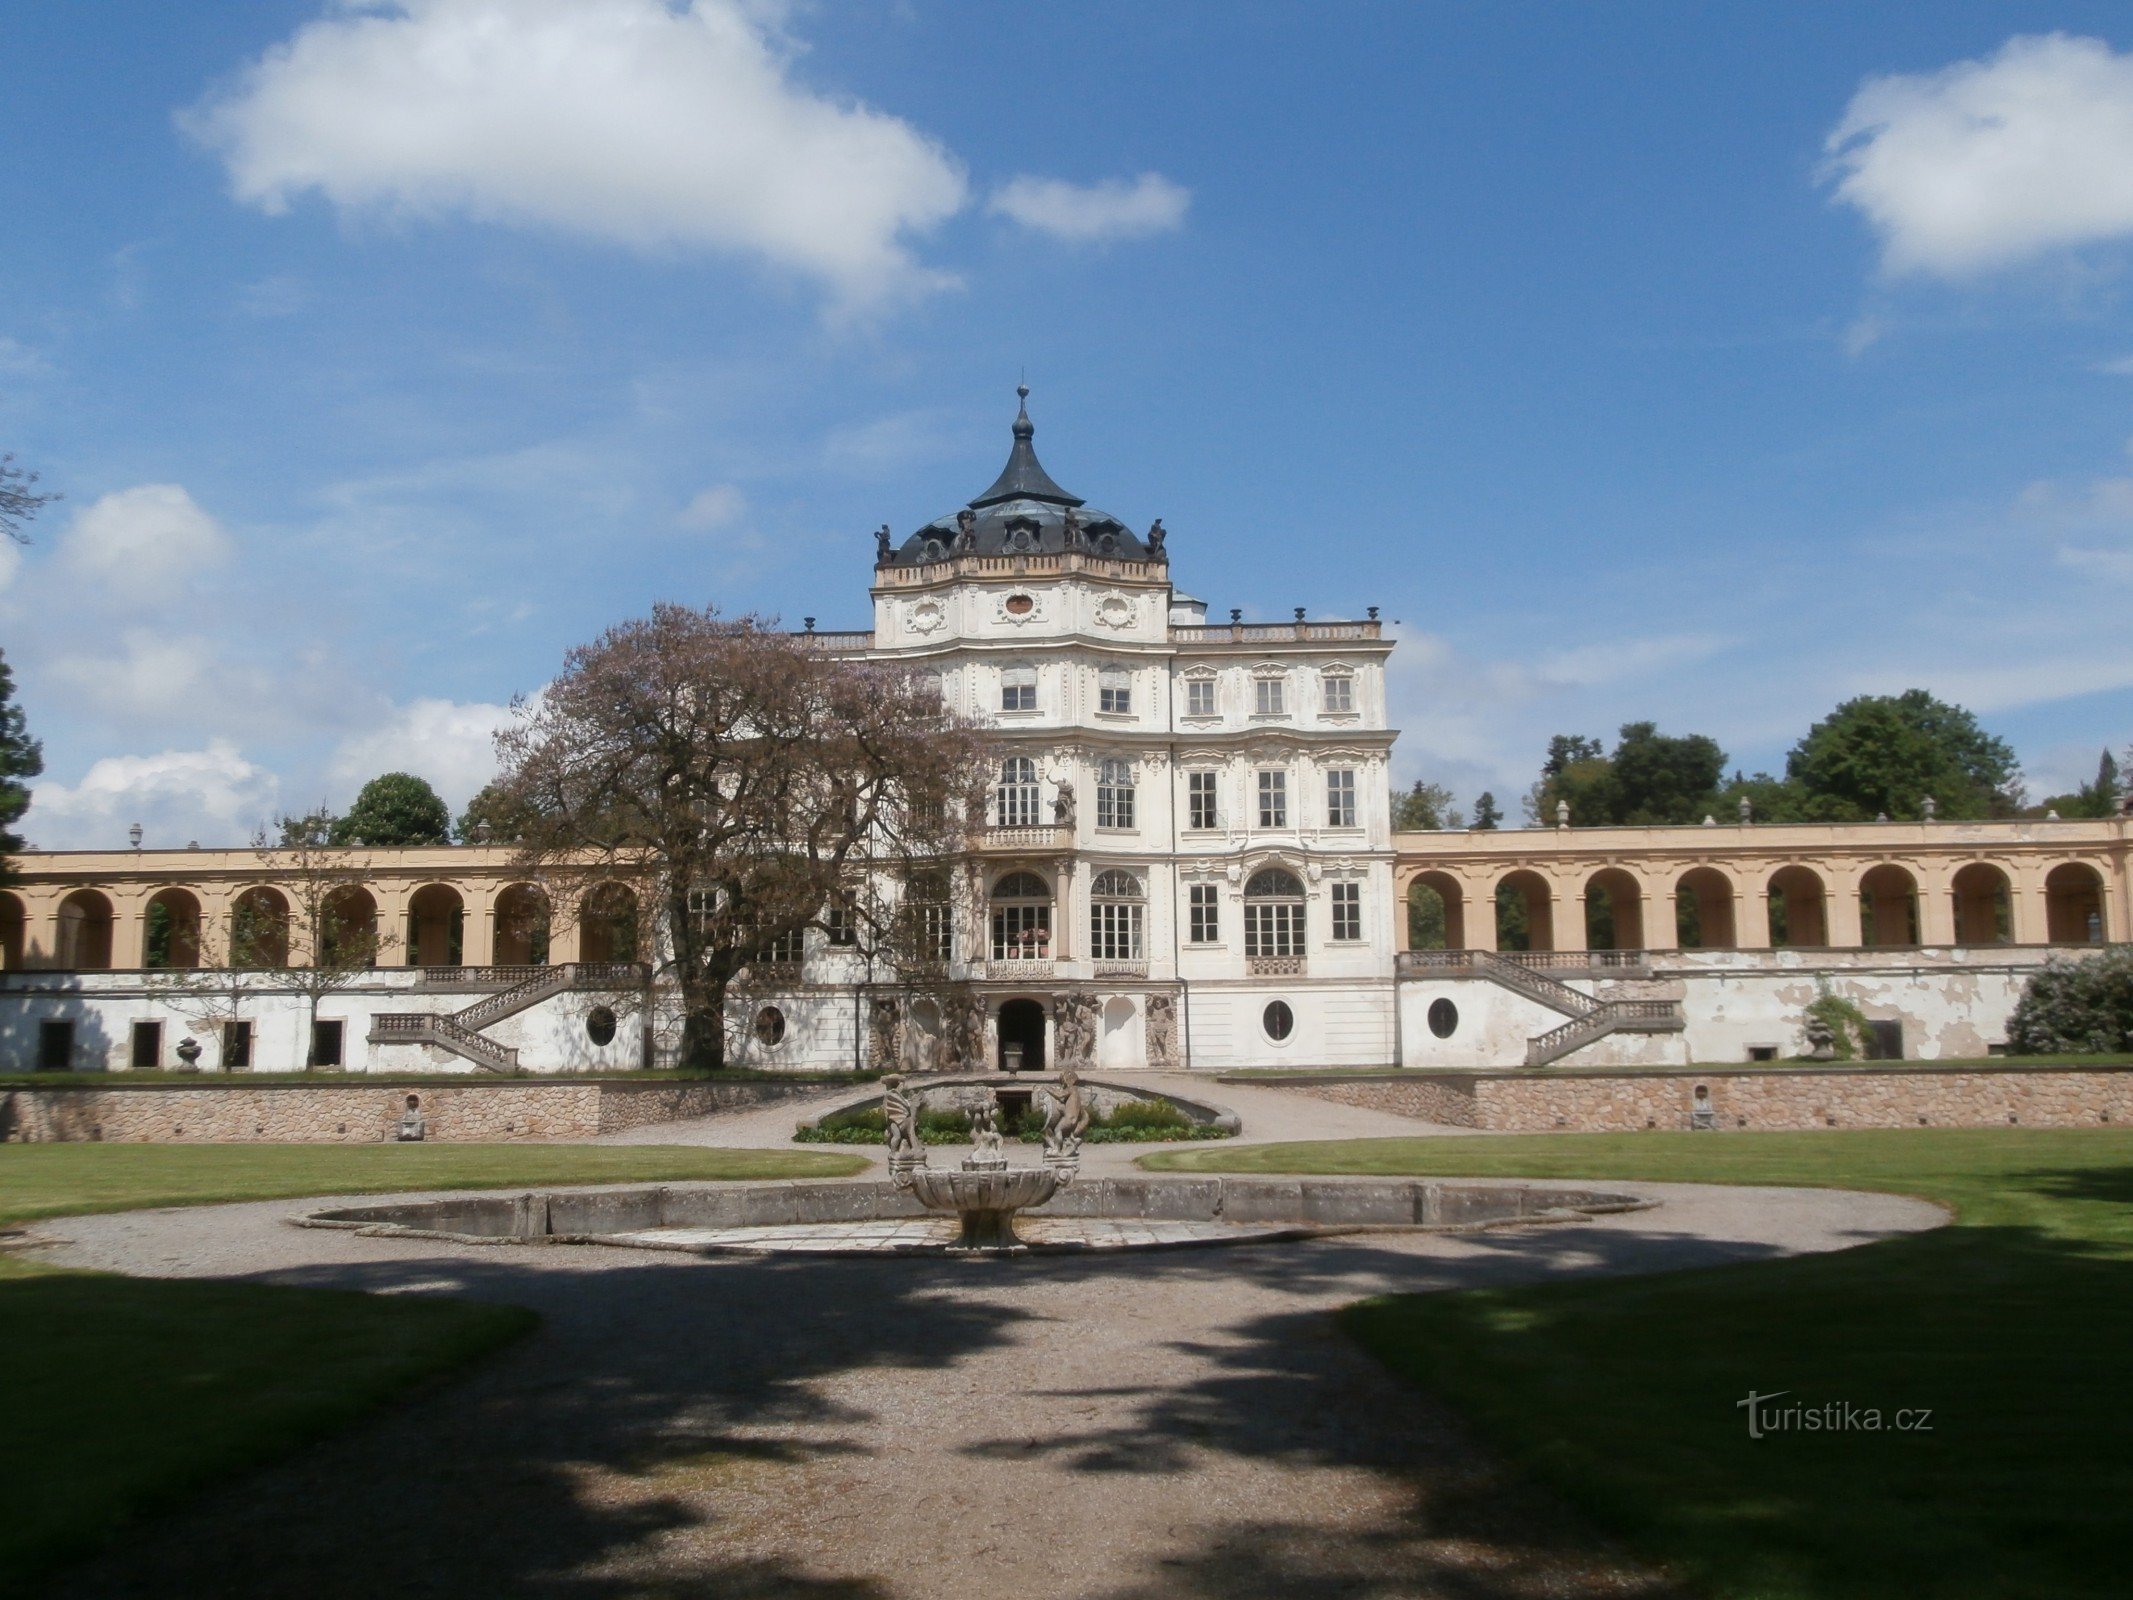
(448, 742)
(634, 121)
(213, 795)
(142, 543)
(1095, 212)
(1987, 164)
(710, 509)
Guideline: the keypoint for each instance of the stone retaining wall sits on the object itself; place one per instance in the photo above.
(2035, 1097)
(353, 1113)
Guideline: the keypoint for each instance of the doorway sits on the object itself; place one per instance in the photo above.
(1022, 1024)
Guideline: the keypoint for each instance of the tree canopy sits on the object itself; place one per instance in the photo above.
(2099, 797)
(749, 784)
(1423, 807)
(19, 499)
(21, 759)
(1651, 778)
(1882, 755)
(395, 808)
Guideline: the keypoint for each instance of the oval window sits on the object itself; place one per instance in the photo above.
(1279, 1020)
(770, 1025)
(600, 1025)
(1018, 605)
(1443, 1018)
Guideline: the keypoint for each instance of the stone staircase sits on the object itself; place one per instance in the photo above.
(1523, 972)
(460, 1032)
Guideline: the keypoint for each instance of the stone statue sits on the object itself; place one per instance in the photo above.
(882, 539)
(899, 1112)
(1066, 1117)
(1162, 1031)
(1074, 1029)
(966, 531)
(1821, 1040)
(1063, 807)
(1156, 536)
(882, 1029)
(970, 1045)
(985, 1136)
(413, 1127)
(1070, 537)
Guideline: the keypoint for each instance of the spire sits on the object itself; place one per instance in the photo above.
(1024, 478)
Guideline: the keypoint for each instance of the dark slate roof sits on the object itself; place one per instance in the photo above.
(1024, 511)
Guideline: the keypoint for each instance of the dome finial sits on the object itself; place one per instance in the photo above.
(1024, 428)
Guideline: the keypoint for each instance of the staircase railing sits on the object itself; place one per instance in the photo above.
(459, 1032)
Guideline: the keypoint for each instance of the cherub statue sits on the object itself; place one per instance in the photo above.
(1155, 539)
(882, 540)
(985, 1136)
(1066, 1116)
(966, 531)
(1070, 537)
(900, 1112)
(1063, 807)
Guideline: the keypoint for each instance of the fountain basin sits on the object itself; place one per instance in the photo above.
(985, 1200)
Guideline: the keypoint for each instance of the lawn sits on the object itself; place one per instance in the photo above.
(1793, 1064)
(2009, 1327)
(131, 1393)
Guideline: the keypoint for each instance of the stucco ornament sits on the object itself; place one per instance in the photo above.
(1114, 611)
(927, 617)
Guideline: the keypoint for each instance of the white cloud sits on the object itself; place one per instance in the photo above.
(1990, 163)
(635, 121)
(2119, 367)
(18, 360)
(717, 507)
(1090, 213)
(444, 741)
(214, 795)
(144, 542)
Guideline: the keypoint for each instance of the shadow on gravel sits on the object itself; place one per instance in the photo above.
(643, 1442)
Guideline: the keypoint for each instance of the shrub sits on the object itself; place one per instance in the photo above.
(1847, 1023)
(2081, 1007)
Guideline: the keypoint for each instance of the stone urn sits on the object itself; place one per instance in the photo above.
(188, 1054)
(986, 1199)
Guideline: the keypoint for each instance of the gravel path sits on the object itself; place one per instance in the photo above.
(1182, 1425)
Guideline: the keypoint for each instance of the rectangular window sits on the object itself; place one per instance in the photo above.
(1114, 931)
(1269, 697)
(236, 1046)
(325, 1044)
(1114, 795)
(1199, 697)
(1018, 689)
(1339, 689)
(783, 951)
(1273, 799)
(839, 923)
(147, 1046)
(1114, 693)
(55, 1046)
(1204, 925)
(1340, 798)
(1273, 927)
(1347, 911)
(1201, 811)
(936, 931)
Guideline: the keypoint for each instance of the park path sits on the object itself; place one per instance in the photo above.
(1187, 1424)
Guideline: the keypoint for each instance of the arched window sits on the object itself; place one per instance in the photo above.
(1436, 913)
(172, 930)
(85, 932)
(347, 933)
(259, 929)
(1274, 914)
(1888, 908)
(1798, 909)
(1114, 794)
(2073, 904)
(1984, 906)
(522, 927)
(1116, 902)
(14, 927)
(1021, 918)
(1017, 797)
(436, 927)
(607, 922)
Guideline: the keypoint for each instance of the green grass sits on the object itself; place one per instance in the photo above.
(1791, 1064)
(2011, 1326)
(130, 1394)
(331, 1078)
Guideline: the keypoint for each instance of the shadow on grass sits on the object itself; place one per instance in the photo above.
(675, 1430)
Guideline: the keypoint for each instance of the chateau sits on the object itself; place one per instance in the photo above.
(1188, 863)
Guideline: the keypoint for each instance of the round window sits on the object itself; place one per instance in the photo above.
(1018, 605)
(1443, 1018)
(600, 1025)
(1278, 1020)
(770, 1025)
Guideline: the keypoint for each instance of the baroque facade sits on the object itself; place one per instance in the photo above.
(1187, 862)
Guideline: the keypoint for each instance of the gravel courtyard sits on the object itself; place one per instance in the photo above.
(1179, 1424)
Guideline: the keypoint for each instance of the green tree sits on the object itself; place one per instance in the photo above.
(21, 759)
(493, 816)
(2082, 1007)
(1651, 778)
(2099, 798)
(1885, 754)
(1423, 807)
(395, 809)
(1486, 813)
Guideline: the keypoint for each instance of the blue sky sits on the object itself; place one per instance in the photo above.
(1706, 365)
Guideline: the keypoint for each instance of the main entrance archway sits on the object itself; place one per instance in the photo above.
(1022, 1023)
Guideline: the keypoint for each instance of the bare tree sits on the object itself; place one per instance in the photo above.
(210, 995)
(751, 785)
(329, 907)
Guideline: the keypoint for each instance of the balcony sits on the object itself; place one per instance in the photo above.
(1025, 841)
(1031, 971)
(1121, 969)
(1273, 966)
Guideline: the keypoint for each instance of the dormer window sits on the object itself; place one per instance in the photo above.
(1114, 692)
(1018, 689)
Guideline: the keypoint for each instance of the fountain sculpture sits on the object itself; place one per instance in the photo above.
(986, 1193)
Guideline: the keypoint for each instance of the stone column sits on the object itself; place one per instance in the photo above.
(129, 930)
(1842, 909)
(1936, 905)
(1567, 912)
(1751, 916)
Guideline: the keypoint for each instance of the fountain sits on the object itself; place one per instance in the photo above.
(986, 1193)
